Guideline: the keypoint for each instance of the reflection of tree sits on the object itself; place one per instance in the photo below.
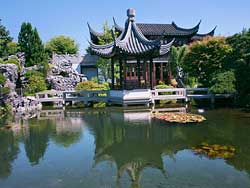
(37, 141)
(68, 131)
(8, 152)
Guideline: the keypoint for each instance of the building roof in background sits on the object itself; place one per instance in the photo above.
(157, 30)
(84, 60)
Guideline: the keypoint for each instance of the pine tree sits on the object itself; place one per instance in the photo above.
(4, 40)
(37, 49)
(31, 44)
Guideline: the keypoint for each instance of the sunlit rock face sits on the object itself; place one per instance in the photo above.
(10, 71)
(62, 75)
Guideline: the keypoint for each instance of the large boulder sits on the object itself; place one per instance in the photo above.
(62, 75)
(10, 71)
(61, 83)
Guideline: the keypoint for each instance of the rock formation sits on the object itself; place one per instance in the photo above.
(62, 76)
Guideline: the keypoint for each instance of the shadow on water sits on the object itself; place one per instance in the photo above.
(133, 141)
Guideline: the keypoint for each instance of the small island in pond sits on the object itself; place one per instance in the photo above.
(179, 117)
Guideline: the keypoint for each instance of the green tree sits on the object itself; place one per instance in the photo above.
(31, 44)
(104, 65)
(223, 82)
(177, 55)
(12, 48)
(206, 57)
(4, 40)
(240, 62)
(25, 40)
(61, 45)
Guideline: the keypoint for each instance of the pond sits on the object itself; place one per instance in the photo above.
(112, 148)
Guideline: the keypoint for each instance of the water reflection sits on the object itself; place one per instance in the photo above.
(133, 148)
(134, 142)
(8, 152)
(68, 131)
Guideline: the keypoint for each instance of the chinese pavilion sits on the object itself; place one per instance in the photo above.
(141, 51)
(141, 36)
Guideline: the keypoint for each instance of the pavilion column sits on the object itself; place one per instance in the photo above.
(154, 74)
(121, 73)
(112, 73)
(124, 74)
(151, 73)
(161, 76)
(145, 73)
(139, 72)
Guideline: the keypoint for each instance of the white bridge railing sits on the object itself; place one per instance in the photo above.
(86, 96)
(133, 96)
(168, 94)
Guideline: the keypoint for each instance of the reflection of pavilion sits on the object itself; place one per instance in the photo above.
(134, 148)
(143, 115)
(132, 158)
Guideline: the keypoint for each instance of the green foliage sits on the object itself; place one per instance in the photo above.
(35, 83)
(13, 61)
(91, 85)
(240, 62)
(99, 105)
(31, 44)
(3, 90)
(107, 35)
(104, 65)
(206, 57)
(2, 79)
(190, 82)
(94, 79)
(223, 83)
(177, 55)
(4, 40)
(163, 86)
(61, 45)
(12, 48)
(31, 73)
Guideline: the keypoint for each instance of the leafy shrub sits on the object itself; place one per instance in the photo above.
(36, 83)
(91, 85)
(31, 73)
(223, 82)
(4, 91)
(2, 79)
(99, 105)
(163, 86)
(13, 61)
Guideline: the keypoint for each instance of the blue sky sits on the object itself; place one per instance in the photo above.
(70, 17)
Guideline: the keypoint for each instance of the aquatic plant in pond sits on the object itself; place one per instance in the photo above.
(215, 150)
(178, 117)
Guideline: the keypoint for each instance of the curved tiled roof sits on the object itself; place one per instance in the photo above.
(131, 42)
(157, 29)
(200, 36)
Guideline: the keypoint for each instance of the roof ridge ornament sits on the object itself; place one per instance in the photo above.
(131, 14)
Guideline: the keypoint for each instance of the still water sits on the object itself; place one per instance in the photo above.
(112, 148)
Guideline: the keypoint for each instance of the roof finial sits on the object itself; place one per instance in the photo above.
(131, 13)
